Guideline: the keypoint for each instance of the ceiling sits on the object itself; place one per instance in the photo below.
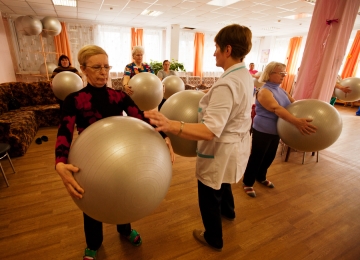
(263, 17)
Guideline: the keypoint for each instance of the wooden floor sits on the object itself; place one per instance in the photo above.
(313, 212)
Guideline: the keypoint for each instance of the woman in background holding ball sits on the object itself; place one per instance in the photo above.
(64, 65)
(270, 101)
(83, 108)
(135, 67)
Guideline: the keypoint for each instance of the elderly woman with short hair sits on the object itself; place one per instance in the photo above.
(83, 108)
(136, 67)
(271, 101)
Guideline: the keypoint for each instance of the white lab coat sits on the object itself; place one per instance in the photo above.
(226, 111)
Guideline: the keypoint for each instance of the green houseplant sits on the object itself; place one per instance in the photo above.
(174, 65)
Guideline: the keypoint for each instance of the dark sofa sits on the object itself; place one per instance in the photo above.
(24, 107)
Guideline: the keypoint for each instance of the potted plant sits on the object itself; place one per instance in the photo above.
(174, 65)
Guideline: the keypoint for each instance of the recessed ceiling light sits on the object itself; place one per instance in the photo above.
(71, 3)
(310, 1)
(151, 13)
(298, 16)
(222, 2)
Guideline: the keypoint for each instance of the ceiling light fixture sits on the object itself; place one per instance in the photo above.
(151, 13)
(71, 3)
(298, 16)
(223, 2)
(310, 1)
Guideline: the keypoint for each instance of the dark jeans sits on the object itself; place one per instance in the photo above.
(94, 232)
(263, 151)
(214, 203)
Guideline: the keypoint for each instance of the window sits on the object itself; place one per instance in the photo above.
(152, 42)
(115, 41)
(209, 63)
(253, 55)
(186, 50)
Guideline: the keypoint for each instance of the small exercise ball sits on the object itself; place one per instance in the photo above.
(325, 117)
(31, 25)
(147, 90)
(51, 26)
(125, 169)
(19, 26)
(66, 82)
(173, 84)
(354, 85)
(49, 66)
(183, 106)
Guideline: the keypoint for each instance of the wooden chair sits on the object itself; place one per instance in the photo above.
(4, 148)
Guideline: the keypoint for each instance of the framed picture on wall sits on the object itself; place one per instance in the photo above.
(265, 56)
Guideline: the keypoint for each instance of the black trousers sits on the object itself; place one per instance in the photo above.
(263, 152)
(94, 232)
(214, 203)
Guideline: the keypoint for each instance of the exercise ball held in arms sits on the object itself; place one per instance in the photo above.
(125, 169)
(325, 117)
(173, 84)
(354, 86)
(66, 82)
(147, 90)
(183, 106)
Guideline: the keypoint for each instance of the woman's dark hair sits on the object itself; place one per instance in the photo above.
(238, 37)
(63, 57)
(165, 61)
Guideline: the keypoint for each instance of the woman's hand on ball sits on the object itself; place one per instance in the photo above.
(304, 126)
(66, 173)
(158, 119)
(128, 90)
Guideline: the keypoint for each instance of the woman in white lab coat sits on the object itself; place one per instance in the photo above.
(222, 132)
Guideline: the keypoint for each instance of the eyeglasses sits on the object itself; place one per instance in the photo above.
(281, 73)
(99, 68)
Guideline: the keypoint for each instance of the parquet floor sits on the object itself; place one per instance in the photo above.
(313, 212)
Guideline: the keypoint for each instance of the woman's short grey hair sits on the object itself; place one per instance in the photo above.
(137, 49)
(269, 69)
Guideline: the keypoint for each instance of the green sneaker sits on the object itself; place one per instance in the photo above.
(89, 254)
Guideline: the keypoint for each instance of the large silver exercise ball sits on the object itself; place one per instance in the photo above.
(19, 26)
(51, 26)
(173, 84)
(325, 117)
(66, 82)
(50, 67)
(183, 106)
(147, 90)
(125, 169)
(31, 25)
(354, 85)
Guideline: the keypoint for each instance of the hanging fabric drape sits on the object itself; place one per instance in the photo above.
(136, 37)
(292, 58)
(350, 66)
(62, 44)
(329, 33)
(199, 43)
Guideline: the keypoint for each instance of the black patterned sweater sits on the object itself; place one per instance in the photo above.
(87, 106)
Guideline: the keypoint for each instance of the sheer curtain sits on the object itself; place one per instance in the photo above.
(186, 50)
(278, 53)
(253, 55)
(152, 43)
(115, 40)
(209, 65)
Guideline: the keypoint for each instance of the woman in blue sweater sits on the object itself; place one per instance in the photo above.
(271, 101)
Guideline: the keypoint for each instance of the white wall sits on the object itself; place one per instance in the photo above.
(7, 73)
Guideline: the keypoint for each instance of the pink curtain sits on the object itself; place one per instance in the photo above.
(329, 33)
